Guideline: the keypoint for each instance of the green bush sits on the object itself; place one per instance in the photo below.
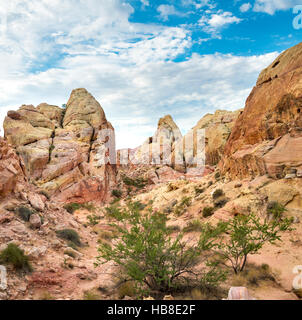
(117, 193)
(217, 193)
(220, 203)
(72, 207)
(244, 235)
(198, 190)
(275, 209)
(207, 212)
(151, 258)
(194, 225)
(15, 256)
(24, 213)
(93, 219)
(70, 235)
(139, 183)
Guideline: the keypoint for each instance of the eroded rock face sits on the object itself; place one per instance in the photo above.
(267, 136)
(217, 128)
(158, 148)
(69, 153)
(11, 169)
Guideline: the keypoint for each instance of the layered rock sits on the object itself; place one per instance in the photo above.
(158, 148)
(204, 143)
(267, 136)
(69, 153)
(11, 168)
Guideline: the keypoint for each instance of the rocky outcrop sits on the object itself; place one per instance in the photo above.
(267, 136)
(11, 169)
(158, 148)
(69, 153)
(188, 152)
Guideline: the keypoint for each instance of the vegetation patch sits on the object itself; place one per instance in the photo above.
(117, 193)
(24, 213)
(207, 212)
(275, 209)
(194, 225)
(138, 183)
(217, 193)
(152, 259)
(70, 235)
(15, 256)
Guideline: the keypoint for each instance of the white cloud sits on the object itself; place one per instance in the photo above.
(271, 6)
(245, 7)
(145, 2)
(213, 22)
(166, 10)
(128, 67)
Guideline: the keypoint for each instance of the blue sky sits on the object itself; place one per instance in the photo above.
(141, 59)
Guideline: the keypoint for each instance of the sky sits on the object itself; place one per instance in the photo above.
(141, 59)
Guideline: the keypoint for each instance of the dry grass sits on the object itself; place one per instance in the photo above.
(126, 289)
(91, 295)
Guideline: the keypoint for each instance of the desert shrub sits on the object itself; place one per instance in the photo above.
(70, 235)
(172, 187)
(72, 207)
(217, 193)
(138, 183)
(243, 236)
(91, 295)
(126, 289)
(182, 206)
(46, 296)
(150, 257)
(172, 229)
(198, 190)
(24, 213)
(72, 245)
(117, 193)
(93, 219)
(194, 225)
(217, 175)
(113, 211)
(207, 212)
(210, 183)
(275, 209)
(15, 256)
(220, 203)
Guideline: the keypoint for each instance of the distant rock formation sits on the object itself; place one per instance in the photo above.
(69, 153)
(217, 128)
(267, 136)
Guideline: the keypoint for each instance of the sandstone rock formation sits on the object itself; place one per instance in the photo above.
(158, 149)
(188, 152)
(267, 136)
(70, 154)
(11, 170)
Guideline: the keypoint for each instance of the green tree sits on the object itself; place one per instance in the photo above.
(151, 258)
(242, 236)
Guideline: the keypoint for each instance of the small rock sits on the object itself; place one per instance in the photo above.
(168, 297)
(238, 185)
(36, 201)
(35, 221)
